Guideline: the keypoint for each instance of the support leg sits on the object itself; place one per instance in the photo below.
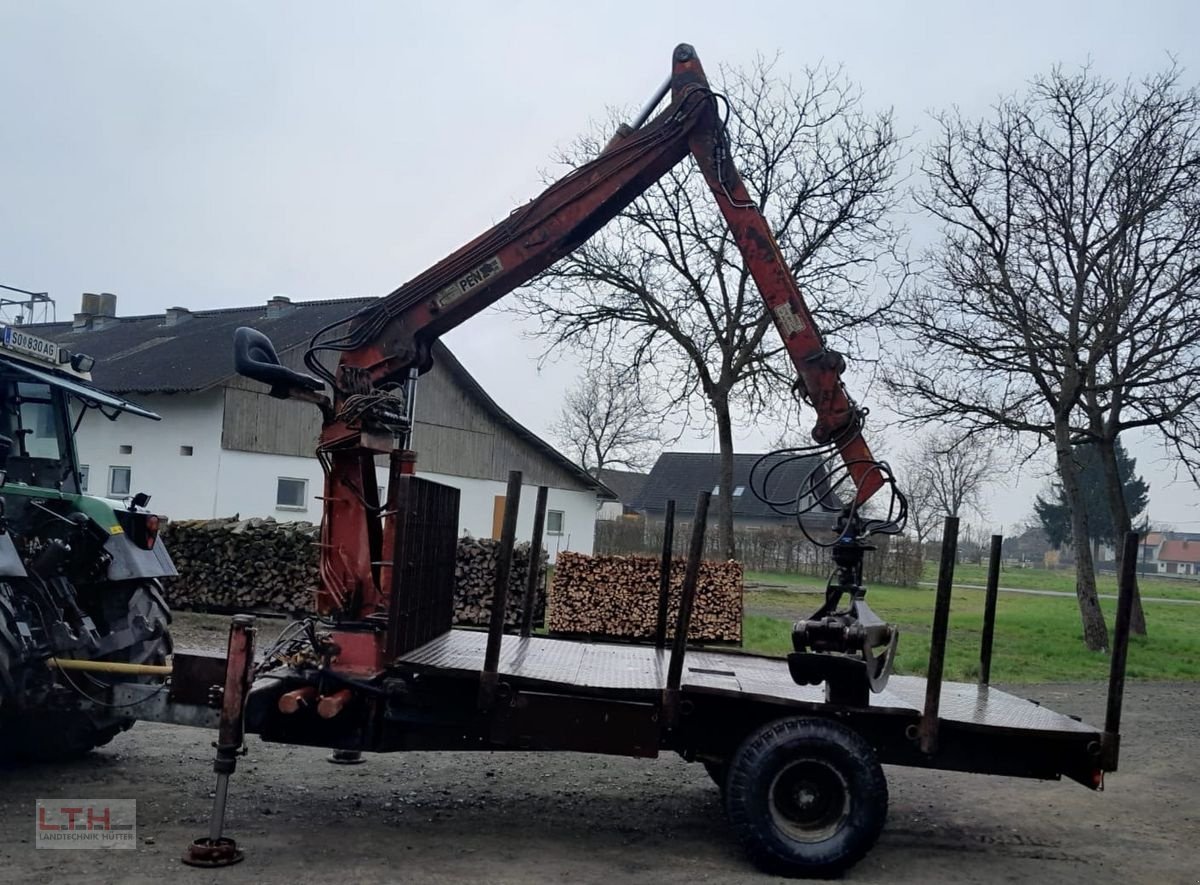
(217, 850)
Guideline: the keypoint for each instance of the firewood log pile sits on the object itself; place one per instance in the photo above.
(475, 576)
(264, 565)
(246, 564)
(617, 596)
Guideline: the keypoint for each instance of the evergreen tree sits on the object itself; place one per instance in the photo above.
(1054, 513)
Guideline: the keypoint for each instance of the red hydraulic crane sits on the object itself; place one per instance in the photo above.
(382, 348)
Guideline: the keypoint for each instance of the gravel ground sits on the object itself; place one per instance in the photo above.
(517, 818)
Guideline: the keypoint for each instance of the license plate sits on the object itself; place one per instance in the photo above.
(15, 339)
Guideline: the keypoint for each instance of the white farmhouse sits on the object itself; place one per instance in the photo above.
(225, 447)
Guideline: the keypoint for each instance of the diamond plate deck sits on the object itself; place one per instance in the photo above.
(639, 668)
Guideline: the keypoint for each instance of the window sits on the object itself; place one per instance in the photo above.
(186, 451)
(38, 431)
(554, 522)
(119, 481)
(291, 494)
(83, 478)
(126, 450)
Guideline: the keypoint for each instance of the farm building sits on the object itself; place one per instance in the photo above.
(226, 447)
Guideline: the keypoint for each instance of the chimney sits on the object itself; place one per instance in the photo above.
(177, 315)
(107, 314)
(278, 305)
(89, 307)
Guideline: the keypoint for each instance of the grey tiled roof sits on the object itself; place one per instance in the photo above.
(143, 354)
(681, 475)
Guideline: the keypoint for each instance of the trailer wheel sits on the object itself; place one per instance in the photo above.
(807, 797)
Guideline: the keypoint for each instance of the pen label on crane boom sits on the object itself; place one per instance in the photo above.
(467, 283)
(788, 320)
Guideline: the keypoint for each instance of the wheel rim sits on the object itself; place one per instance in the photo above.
(809, 800)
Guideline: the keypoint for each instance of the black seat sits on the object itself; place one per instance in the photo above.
(254, 357)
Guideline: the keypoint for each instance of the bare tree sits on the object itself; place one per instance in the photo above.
(663, 289)
(1146, 278)
(606, 421)
(1016, 329)
(946, 475)
(923, 509)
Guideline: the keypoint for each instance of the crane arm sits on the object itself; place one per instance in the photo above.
(389, 341)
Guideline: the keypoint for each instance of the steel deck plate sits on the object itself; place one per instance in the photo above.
(641, 668)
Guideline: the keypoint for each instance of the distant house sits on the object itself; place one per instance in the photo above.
(682, 475)
(1178, 556)
(1030, 547)
(226, 447)
(627, 486)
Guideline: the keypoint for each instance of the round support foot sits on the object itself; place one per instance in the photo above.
(345, 757)
(213, 853)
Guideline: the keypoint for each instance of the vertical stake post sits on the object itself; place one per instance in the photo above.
(989, 610)
(687, 597)
(928, 729)
(535, 561)
(664, 575)
(489, 678)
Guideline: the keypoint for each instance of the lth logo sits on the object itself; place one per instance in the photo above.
(97, 819)
(85, 823)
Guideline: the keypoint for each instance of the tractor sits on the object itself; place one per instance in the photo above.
(80, 576)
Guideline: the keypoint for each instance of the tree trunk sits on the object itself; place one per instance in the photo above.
(1119, 508)
(725, 495)
(1095, 632)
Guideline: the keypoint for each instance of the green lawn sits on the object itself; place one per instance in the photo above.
(1038, 638)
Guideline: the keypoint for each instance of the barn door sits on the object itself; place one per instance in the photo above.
(497, 516)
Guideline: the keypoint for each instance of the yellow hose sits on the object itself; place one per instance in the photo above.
(110, 667)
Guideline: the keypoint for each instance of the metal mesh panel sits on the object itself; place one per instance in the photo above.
(422, 598)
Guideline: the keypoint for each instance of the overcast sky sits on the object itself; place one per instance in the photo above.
(213, 154)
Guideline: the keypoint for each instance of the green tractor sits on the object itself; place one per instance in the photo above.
(79, 576)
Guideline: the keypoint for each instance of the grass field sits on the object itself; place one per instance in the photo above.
(1037, 639)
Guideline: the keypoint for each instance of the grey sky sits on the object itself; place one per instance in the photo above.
(212, 154)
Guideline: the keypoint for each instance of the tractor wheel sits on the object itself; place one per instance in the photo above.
(807, 797)
(56, 735)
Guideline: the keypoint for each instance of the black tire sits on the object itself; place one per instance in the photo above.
(806, 797)
(54, 736)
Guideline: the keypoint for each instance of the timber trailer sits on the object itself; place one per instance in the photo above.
(795, 744)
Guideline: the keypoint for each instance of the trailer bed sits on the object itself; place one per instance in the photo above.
(635, 672)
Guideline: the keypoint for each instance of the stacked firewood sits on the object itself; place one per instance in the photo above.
(243, 564)
(618, 596)
(264, 565)
(475, 575)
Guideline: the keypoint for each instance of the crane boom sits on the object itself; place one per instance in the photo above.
(390, 341)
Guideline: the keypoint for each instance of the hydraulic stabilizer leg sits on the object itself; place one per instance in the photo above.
(217, 850)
